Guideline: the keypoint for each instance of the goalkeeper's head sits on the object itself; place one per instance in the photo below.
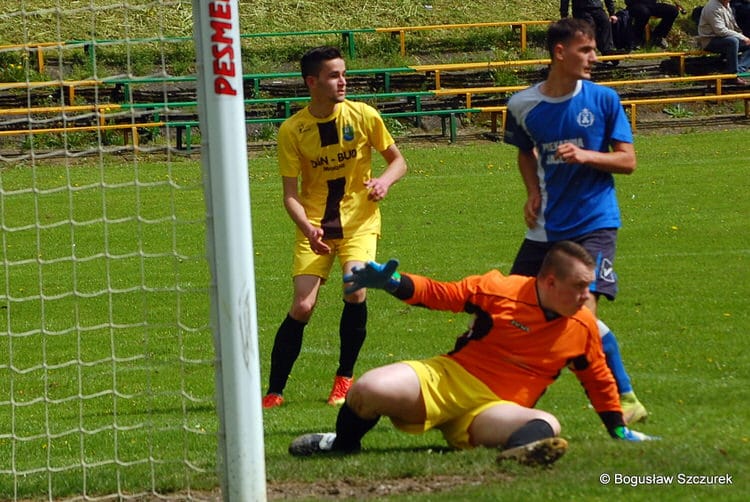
(565, 277)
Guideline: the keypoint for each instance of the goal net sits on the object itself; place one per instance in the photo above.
(107, 355)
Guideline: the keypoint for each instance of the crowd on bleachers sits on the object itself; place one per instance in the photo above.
(630, 28)
(722, 27)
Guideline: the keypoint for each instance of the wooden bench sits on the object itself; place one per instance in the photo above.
(633, 104)
(347, 36)
(402, 30)
(439, 68)
(30, 120)
(284, 104)
(37, 47)
(679, 56)
(127, 118)
(470, 92)
(181, 115)
(68, 85)
(124, 85)
(256, 78)
(129, 130)
(448, 117)
(184, 127)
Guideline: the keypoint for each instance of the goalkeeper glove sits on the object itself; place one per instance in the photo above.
(374, 275)
(621, 432)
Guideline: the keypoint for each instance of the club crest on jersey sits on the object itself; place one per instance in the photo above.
(585, 118)
(348, 131)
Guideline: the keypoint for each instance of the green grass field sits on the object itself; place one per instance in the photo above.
(681, 319)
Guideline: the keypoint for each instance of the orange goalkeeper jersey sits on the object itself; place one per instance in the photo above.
(514, 346)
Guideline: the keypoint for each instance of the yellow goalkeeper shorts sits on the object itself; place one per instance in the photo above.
(453, 397)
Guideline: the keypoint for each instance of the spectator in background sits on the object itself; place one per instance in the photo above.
(719, 32)
(602, 20)
(640, 13)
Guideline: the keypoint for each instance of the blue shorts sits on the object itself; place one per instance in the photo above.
(600, 244)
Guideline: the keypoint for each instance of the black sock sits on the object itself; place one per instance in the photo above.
(531, 431)
(286, 349)
(352, 332)
(350, 429)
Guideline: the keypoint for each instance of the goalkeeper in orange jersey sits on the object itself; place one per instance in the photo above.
(525, 331)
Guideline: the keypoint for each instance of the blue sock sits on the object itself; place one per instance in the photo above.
(614, 360)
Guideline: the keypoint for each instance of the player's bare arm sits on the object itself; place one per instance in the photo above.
(620, 160)
(527, 165)
(393, 172)
(298, 215)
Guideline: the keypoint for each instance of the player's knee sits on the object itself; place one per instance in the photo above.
(361, 395)
(357, 297)
(372, 386)
(302, 309)
(366, 387)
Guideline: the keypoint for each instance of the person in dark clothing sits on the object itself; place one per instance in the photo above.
(741, 10)
(641, 11)
(593, 11)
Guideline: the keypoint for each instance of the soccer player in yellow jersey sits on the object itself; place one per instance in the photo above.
(325, 153)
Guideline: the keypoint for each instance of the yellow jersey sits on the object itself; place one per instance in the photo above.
(333, 157)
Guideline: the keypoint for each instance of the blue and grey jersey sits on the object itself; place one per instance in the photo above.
(576, 199)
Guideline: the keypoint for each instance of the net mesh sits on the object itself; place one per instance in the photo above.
(106, 351)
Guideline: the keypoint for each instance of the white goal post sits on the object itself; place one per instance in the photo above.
(224, 154)
(129, 365)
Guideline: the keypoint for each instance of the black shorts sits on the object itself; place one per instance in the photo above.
(600, 244)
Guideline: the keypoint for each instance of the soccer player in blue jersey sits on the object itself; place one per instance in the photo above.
(572, 136)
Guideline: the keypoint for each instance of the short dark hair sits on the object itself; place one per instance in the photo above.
(313, 59)
(557, 259)
(566, 29)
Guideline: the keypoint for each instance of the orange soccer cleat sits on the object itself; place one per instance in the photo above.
(341, 385)
(272, 400)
